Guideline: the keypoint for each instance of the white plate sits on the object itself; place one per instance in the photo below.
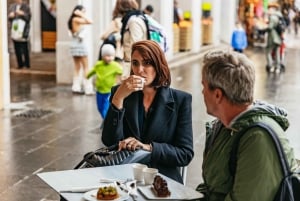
(92, 196)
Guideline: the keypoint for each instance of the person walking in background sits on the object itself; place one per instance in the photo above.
(146, 113)
(239, 38)
(134, 30)
(274, 40)
(296, 21)
(177, 13)
(79, 50)
(228, 80)
(148, 10)
(19, 15)
(108, 73)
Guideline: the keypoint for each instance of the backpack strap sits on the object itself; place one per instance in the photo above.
(280, 151)
(126, 18)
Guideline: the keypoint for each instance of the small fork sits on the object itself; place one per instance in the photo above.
(129, 189)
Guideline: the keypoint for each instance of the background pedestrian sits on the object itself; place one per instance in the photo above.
(135, 30)
(79, 50)
(108, 73)
(239, 38)
(274, 40)
(177, 13)
(19, 16)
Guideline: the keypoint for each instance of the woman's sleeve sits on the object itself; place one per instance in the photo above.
(112, 131)
(258, 172)
(27, 13)
(179, 152)
(11, 9)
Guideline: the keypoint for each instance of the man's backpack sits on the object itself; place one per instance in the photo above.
(155, 31)
(281, 25)
(290, 184)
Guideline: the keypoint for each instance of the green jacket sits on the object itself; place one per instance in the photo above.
(258, 171)
(273, 37)
(106, 75)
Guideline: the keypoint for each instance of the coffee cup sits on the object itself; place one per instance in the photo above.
(149, 174)
(138, 173)
(143, 82)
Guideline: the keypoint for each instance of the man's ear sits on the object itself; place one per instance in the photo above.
(218, 95)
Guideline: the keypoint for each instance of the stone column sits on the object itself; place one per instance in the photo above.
(35, 29)
(4, 58)
(166, 20)
(216, 15)
(196, 20)
(227, 20)
(64, 62)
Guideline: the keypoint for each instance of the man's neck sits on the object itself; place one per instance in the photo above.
(230, 112)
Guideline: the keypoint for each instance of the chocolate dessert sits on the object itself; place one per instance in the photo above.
(160, 186)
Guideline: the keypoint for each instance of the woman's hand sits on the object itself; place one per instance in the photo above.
(12, 15)
(132, 144)
(20, 13)
(129, 85)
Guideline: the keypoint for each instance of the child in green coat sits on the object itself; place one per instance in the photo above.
(108, 73)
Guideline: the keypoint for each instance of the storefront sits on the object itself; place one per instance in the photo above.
(253, 14)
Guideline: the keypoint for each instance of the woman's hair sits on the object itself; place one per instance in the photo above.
(232, 72)
(150, 50)
(123, 6)
(78, 7)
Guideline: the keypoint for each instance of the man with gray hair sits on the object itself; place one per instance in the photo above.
(228, 80)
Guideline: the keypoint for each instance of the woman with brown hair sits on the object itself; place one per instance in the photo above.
(145, 112)
(79, 50)
(134, 30)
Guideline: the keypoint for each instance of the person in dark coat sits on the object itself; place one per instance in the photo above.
(145, 112)
(21, 10)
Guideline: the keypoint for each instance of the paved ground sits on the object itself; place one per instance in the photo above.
(48, 128)
(41, 64)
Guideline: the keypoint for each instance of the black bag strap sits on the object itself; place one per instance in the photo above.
(279, 149)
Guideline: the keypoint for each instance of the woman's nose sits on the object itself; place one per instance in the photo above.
(140, 68)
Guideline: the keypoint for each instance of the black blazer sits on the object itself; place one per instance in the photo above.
(168, 128)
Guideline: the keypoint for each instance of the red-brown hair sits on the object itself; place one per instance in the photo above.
(151, 50)
(123, 6)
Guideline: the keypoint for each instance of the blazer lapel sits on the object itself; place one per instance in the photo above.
(132, 114)
(162, 113)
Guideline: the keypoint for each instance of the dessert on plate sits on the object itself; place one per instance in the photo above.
(107, 193)
(160, 187)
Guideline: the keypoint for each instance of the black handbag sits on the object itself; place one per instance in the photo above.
(108, 156)
(289, 189)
